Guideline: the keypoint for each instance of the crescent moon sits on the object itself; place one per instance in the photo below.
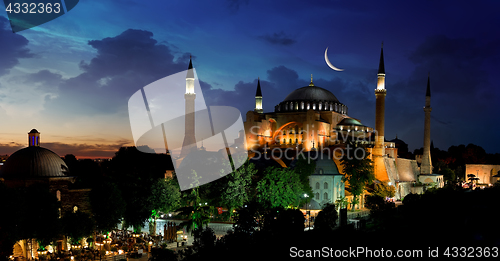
(329, 63)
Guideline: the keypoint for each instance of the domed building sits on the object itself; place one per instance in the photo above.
(309, 117)
(35, 165)
(312, 118)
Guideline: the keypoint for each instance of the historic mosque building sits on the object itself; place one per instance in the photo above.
(311, 118)
(38, 165)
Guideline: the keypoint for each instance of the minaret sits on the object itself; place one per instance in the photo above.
(379, 149)
(258, 98)
(426, 167)
(189, 134)
(34, 138)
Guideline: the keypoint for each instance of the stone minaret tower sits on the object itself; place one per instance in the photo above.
(379, 149)
(34, 138)
(426, 167)
(189, 134)
(258, 98)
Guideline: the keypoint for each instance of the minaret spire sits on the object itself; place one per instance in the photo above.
(381, 68)
(426, 167)
(258, 98)
(189, 129)
(428, 92)
(379, 148)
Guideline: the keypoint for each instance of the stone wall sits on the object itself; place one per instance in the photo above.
(484, 172)
(407, 169)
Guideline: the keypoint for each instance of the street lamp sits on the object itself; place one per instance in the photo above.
(308, 215)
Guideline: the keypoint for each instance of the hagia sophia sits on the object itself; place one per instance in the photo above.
(309, 120)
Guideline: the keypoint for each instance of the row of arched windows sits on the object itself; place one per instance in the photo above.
(325, 196)
(320, 106)
(325, 185)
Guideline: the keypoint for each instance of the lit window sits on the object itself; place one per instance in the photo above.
(75, 209)
(58, 195)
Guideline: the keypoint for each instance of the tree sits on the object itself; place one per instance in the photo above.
(304, 168)
(383, 190)
(245, 220)
(472, 178)
(326, 219)
(165, 196)
(358, 171)
(77, 225)
(235, 191)
(108, 206)
(198, 213)
(448, 174)
(280, 187)
(135, 173)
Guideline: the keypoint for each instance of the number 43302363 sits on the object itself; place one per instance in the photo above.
(33, 8)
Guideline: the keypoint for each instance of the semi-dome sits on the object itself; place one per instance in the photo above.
(311, 97)
(33, 162)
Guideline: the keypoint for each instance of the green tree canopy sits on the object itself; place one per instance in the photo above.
(235, 191)
(358, 171)
(280, 187)
(304, 168)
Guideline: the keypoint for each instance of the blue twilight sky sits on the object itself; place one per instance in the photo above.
(71, 78)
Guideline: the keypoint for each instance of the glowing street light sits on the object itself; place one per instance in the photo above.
(308, 215)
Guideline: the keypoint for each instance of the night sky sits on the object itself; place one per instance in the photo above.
(71, 78)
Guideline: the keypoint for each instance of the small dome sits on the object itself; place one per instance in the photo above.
(350, 121)
(33, 162)
(325, 165)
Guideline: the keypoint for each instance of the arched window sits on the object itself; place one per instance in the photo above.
(325, 196)
(320, 171)
(317, 185)
(336, 108)
(58, 195)
(314, 106)
(317, 196)
(308, 106)
(325, 185)
(319, 106)
(301, 105)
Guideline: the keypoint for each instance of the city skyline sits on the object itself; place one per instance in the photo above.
(71, 78)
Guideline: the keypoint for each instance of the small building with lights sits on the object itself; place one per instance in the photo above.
(37, 165)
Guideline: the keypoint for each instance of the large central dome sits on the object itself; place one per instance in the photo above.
(311, 93)
(311, 97)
